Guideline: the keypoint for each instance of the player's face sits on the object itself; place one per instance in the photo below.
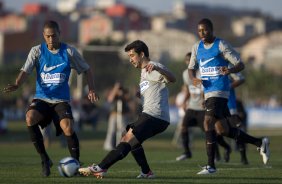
(51, 37)
(205, 33)
(134, 58)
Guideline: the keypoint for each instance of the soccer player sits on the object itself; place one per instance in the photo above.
(153, 120)
(194, 115)
(212, 55)
(53, 61)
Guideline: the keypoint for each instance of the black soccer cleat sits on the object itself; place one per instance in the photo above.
(46, 165)
(227, 154)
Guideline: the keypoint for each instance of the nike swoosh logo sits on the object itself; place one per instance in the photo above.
(48, 69)
(202, 63)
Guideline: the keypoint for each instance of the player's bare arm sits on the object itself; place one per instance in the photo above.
(19, 81)
(92, 96)
(192, 76)
(237, 68)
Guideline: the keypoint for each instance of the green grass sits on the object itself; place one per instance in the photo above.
(20, 163)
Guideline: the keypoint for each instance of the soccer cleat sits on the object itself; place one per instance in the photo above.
(94, 170)
(264, 150)
(149, 175)
(183, 156)
(227, 154)
(207, 170)
(244, 161)
(46, 165)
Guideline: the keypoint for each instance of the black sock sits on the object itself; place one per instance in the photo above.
(211, 144)
(37, 140)
(185, 142)
(217, 152)
(242, 149)
(140, 157)
(73, 145)
(115, 155)
(220, 140)
(243, 137)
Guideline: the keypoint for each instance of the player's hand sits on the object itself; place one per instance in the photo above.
(224, 70)
(150, 67)
(10, 88)
(92, 96)
(197, 81)
(138, 94)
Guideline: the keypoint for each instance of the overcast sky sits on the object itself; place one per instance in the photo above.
(272, 7)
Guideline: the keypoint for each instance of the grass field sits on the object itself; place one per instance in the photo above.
(20, 163)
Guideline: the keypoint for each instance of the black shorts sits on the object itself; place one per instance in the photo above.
(147, 126)
(194, 118)
(217, 107)
(51, 112)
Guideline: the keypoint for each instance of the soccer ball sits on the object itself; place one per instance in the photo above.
(68, 167)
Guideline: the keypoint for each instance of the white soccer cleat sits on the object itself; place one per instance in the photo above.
(207, 170)
(264, 150)
(183, 157)
(149, 175)
(94, 170)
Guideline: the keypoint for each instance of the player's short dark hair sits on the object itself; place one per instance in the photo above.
(206, 22)
(51, 24)
(138, 46)
(189, 54)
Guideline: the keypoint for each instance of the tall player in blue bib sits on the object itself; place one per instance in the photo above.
(212, 56)
(53, 61)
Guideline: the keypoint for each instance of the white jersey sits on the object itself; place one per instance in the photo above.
(154, 93)
(196, 99)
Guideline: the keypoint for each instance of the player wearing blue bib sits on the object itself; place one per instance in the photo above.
(53, 61)
(212, 56)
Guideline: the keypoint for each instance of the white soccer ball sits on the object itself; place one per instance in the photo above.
(68, 167)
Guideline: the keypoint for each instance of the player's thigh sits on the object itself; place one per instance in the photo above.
(222, 127)
(37, 112)
(147, 126)
(63, 117)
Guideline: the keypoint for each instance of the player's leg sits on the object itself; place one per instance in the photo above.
(216, 109)
(227, 149)
(65, 119)
(33, 118)
(110, 141)
(242, 149)
(138, 153)
(185, 137)
(145, 127)
(235, 133)
(210, 145)
(118, 153)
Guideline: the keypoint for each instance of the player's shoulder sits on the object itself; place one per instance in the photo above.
(196, 45)
(35, 50)
(71, 49)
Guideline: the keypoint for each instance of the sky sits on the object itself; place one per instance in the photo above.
(271, 7)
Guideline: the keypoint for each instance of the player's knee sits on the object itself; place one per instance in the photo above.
(221, 131)
(31, 118)
(67, 127)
